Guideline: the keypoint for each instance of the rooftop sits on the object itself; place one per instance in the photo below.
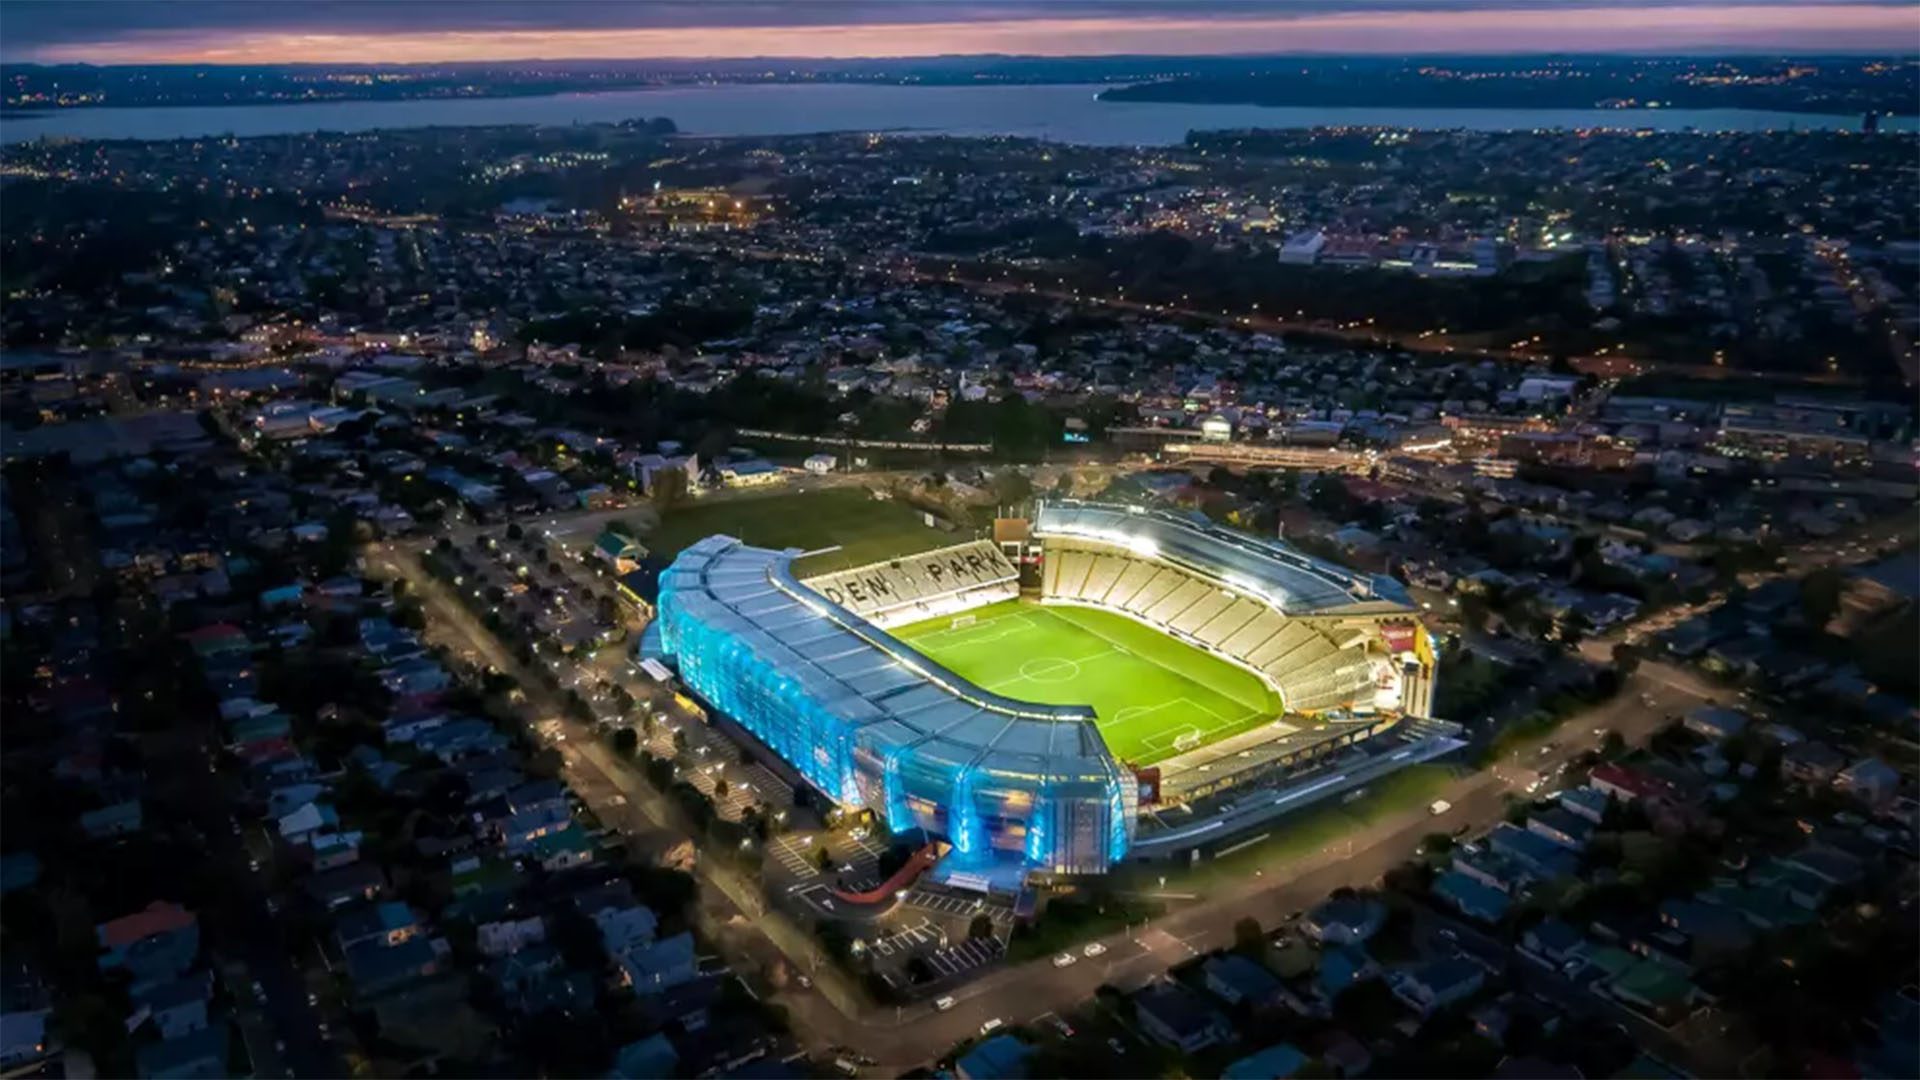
(875, 683)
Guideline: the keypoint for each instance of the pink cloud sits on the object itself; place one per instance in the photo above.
(1836, 27)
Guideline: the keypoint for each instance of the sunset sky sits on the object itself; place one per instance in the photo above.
(390, 31)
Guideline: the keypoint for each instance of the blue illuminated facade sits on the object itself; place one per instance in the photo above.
(871, 723)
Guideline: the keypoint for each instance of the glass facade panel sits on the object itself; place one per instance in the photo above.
(857, 714)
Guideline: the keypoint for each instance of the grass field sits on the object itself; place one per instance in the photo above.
(1154, 697)
(866, 529)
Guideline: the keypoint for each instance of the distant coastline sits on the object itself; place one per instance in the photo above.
(1823, 85)
(1284, 93)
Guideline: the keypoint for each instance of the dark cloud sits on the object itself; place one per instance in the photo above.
(29, 26)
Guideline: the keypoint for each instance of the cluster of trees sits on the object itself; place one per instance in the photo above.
(603, 332)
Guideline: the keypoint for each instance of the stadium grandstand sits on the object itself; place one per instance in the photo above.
(946, 581)
(1023, 701)
(1323, 636)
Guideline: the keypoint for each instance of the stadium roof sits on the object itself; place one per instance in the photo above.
(894, 695)
(1293, 581)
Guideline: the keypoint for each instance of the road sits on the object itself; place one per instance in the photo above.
(836, 1012)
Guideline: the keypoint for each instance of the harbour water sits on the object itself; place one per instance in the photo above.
(1062, 113)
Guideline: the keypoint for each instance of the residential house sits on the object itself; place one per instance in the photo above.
(1718, 724)
(1655, 987)
(333, 849)
(1338, 968)
(624, 923)
(653, 1056)
(1276, 1062)
(343, 885)
(1431, 986)
(300, 825)
(157, 943)
(1870, 780)
(23, 1036)
(1812, 763)
(1345, 921)
(1563, 827)
(1587, 802)
(1003, 1057)
(1538, 856)
(1625, 783)
(1236, 980)
(1553, 943)
(622, 553)
(117, 819)
(502, 937)
(389, 923)
(1472, 897)
(376, 968)
(1174, 1016)
(666, 963)
(563, 850)
(1344, 1054)
(201, 1054)
(1712, 930)
(176, 1007)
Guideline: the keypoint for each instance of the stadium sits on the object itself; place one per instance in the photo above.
(1038, 700)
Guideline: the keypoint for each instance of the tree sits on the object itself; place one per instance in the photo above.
(1248, 937)
(409, 615)
(515, 532)
(981, 928)
(545, 764)
(626, 741)
(1011, 486)
(720, 789)
(824, 859)
(1626, 659)
(667, 489)
(1820, 596)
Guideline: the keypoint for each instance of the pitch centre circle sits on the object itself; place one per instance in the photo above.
(1050, 670)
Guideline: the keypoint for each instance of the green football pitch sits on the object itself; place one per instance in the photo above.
(1154, 696)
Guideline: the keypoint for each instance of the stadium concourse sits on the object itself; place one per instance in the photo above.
(1025, 698)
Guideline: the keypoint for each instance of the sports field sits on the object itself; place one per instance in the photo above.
(1154, 696)
(864, 529)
